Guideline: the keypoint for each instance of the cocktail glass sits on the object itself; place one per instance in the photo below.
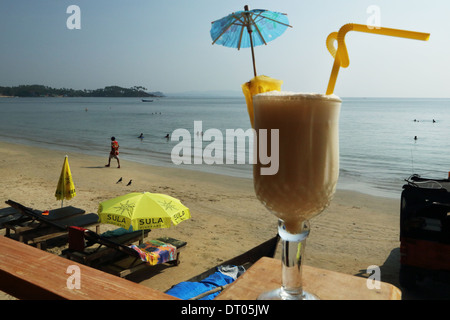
(308, 167)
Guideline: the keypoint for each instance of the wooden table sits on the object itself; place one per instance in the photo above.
(30, 273)
(265, 275)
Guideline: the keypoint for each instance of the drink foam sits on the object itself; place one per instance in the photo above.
(299, 95)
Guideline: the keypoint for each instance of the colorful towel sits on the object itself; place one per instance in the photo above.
(155, 252)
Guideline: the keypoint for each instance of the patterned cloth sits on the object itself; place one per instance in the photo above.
(155, 252)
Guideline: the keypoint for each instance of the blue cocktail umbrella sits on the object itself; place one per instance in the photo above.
(249, 28)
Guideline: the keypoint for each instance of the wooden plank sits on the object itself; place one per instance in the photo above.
(265, 275)
(30, 273)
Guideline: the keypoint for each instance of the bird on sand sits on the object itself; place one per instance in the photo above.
(120, 180)
(129, 183)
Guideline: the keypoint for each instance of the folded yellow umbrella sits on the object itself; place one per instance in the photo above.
(65, 188)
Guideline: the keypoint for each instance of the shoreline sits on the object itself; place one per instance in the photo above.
(344, 183)
(357, 230)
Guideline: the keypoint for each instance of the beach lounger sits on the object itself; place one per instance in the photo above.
(128, 259)
(54, 218)
(11, 215)
(42, 228)
(88, 250)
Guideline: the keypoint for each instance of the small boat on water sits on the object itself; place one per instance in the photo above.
(147, 100)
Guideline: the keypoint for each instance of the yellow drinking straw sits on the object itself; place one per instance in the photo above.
(341, 55)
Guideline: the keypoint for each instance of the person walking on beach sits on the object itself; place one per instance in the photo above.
(114, 153)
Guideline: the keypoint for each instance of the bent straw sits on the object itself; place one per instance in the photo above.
(340, 55)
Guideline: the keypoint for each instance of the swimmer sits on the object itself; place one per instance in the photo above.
(141, 136)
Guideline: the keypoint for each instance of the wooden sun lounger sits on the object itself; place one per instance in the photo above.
(40, 236)
(128, 265)
(52, 219)
(10, 215)
(118, 259)
(43, 228)
(96, 253)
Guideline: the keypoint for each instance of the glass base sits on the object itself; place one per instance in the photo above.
(280, 294)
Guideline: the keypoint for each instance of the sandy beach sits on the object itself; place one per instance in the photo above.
(355, 232)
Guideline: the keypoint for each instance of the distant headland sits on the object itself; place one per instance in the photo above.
(44, 91)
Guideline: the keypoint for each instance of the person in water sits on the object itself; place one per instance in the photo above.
(114, 153)
(141, 136)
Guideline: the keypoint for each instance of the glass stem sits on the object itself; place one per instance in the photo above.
(293, 246)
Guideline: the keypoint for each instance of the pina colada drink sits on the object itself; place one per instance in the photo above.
(308, 154)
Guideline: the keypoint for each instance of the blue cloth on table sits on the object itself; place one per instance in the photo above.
(186, 290)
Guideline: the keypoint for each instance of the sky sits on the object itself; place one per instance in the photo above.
(166, 46)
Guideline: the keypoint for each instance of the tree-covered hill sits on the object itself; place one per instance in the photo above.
(44, 91)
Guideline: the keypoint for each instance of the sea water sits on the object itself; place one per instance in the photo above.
(378, 149)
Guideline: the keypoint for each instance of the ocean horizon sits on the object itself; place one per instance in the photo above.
(378, 149)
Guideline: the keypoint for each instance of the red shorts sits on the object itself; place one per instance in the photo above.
(113, 155)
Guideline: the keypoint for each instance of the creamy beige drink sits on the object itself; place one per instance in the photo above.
(308, 154)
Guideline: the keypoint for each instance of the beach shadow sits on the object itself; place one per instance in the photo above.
(148, 272)
(389, 270)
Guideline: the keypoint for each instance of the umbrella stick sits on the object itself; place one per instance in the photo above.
(247, 20)
(253, 55)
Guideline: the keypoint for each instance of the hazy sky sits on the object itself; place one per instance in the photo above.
(166, 46)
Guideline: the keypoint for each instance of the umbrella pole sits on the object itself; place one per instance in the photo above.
(251, 40)
(253, 54)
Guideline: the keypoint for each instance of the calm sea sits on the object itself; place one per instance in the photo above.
(377, 146)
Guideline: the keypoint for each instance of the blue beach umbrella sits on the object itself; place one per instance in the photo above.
(249, 28)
